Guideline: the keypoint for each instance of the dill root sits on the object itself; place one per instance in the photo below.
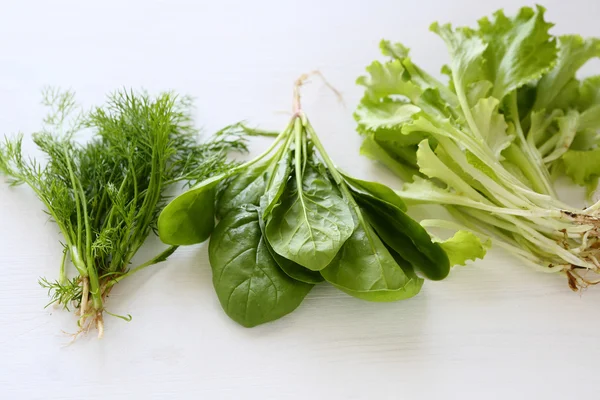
(105, 195)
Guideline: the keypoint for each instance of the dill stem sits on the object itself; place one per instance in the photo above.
(155, 260)
(82, 214)
(77, 261)
(84, 298)
(95, 290)
(76, 197)
(100, 208)
(63, 267)
(108, 221)
(90, 262)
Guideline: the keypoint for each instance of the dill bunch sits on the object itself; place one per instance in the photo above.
(105, 195)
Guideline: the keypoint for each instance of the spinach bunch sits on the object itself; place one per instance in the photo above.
(289, 219)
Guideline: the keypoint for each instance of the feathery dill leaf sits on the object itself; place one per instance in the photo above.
(105, 195)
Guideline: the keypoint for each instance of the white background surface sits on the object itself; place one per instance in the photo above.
(493, 330)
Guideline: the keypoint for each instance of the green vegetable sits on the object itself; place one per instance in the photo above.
(464, 246)
(289, 219)
(487, 143)
(243, 189)
(105, 195)
(312, 221)
(250, 285)
(366, 269)
(406, 237)
(583, 167)
(461, 247)
(185, 227)
(277, 182)
(377, 190)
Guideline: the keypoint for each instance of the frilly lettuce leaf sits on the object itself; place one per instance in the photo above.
(385, 115)
(391, 160)
(557, 113)
(465, 246)
(502, 55)
(394, 50)
(589, 104)
(387, 79)
(559, 88)
(466, 53)
(492, 125)
(565, 120)
(583, 167)
(519, 50)
(567, 129)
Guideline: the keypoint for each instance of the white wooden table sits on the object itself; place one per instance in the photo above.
(493, 330)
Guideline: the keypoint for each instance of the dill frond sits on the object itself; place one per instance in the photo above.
(63, 294)
(105, 195)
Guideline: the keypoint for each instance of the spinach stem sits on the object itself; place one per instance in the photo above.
(337, 177)
(265, 153)
(315, 139)
(298, 133)
(278, 156)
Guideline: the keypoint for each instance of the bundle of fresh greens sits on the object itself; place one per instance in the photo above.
(486, 144)
(105, 195)
(289, 219)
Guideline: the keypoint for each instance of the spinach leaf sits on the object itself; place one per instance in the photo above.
(311, 223)
(292, 269)
(245, 188)
(403, 234)
(190, 217)
(251, 287)
(364, 268)
(376, 189)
